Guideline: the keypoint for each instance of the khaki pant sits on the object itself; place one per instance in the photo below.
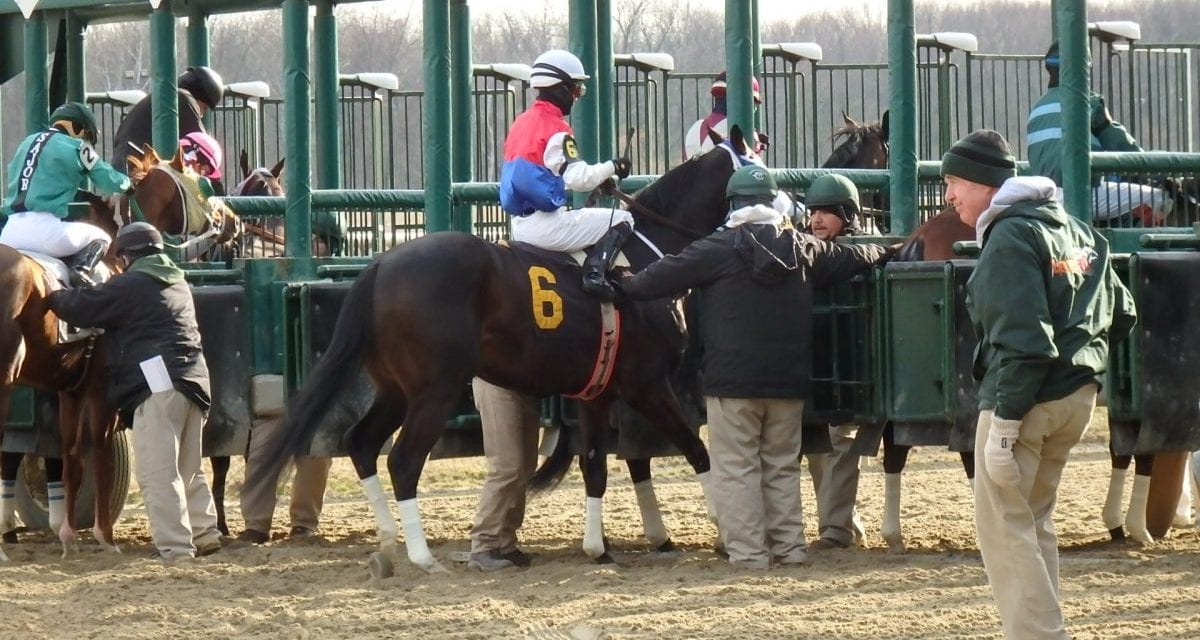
(1015, 525)
(755, 449)
(166, 448)
(835, 482)
(308, 487)
(510, 444)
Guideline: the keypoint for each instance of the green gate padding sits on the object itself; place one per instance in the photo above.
(1167, 290)
(929, 345)
(221, 314)
(313, 309)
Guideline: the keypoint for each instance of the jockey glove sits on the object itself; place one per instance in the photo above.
(622, 167)
(998, 457)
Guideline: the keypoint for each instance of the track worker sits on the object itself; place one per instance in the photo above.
(1046, 303)
(542, 162)
(158, 382)
(756, 276)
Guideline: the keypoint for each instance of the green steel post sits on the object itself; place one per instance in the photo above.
(902, 103)
(606, 103)
(586, 113)
(164, 105)
(298, 219)
(76, 83)
(37, 96)
(1054, 20)
(1076, 148)
(327, 106)
(463, 107)
(757, 57)
(437, 117)
(739, 63)
(197, 46)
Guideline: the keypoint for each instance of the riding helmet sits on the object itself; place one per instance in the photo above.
(81, 119)
(833, 191)
(204, 84)
(720, 86)
(137, 236)
(555, 67)
(751, 184)
(206, 146)
(1053, 61)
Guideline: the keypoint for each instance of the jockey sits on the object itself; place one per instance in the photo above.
(199, 89)
(696, 140)
(832, 202)
(541, 162)
(202, 154)
(47, 170)
(1136, 203)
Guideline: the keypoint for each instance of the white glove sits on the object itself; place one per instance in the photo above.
(998, 458)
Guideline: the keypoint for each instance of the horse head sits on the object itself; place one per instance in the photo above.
(259, 182)
(863, 146)
(161, 197)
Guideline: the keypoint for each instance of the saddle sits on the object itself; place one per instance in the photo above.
(577, 256)
(56, 275)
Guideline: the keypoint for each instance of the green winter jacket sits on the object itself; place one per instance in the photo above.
(1044, 134)
(49, 167)
(1044, 298)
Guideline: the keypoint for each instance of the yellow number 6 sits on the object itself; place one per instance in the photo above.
(547, 305)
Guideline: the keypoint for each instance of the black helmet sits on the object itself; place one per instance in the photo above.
(137, 236)
(204, 84)
(81, 119)
(1053, 60)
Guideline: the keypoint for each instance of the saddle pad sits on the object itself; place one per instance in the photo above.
(578, 256)
(56, 275)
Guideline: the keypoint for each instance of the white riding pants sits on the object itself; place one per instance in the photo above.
(1115, 199)
(45, 233)
(567, 229)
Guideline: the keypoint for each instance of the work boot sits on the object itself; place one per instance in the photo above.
(600, 260)
(85, 261)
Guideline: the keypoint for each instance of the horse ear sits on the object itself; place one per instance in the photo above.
(715, 137)
(737, 139)
(177, 161)
(883, 125)
(850, 122)
(244, 163)
(149, 155)
(277, 170)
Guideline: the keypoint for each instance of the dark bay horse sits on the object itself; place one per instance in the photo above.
(865, 146)
(429, 314)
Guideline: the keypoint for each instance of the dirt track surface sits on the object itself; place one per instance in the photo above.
(320, 588)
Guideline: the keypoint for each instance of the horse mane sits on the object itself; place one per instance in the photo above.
(852, 135)
(660, 195)
(141, 166)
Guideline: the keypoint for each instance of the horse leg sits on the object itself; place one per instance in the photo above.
(895, 457)
(102, 425)
(424, 423)
(71, 430)
(10, 464)
(1135, 516)
(220, 471)
(55, 493)
(1111, 513)
(363, 442)
(652, 523)
(593, 428)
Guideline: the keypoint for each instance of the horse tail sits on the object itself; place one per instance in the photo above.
(556, 465)
(327, 381)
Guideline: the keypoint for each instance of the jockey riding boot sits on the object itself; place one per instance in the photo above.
(85, 261)
(600, 260)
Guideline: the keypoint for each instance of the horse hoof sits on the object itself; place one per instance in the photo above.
(604, 558)
(10, 537)
(1117, 534)
(222, 527)
(896, 546)
(380, 566)
(667, 548)
(3, 556)
(433, 566)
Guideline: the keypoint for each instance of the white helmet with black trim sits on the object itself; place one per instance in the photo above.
(554, 67)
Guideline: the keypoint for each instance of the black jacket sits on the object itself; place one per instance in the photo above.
(136, 127)
(756, 306)
(144, 312)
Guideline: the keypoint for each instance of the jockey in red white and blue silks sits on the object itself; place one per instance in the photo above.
(542, 163)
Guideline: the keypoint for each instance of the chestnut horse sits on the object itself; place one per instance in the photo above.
(429, 314)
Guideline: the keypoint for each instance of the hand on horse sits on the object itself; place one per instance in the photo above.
(622, 167)
(999, 460)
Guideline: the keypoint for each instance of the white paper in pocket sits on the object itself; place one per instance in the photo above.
(156, 374)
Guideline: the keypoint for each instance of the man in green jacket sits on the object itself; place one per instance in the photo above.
(1046, 303)
(1116, 203)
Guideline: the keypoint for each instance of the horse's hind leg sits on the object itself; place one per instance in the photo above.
(10, 464)
(652, 523)
(593, 428)
(895, 457)
(72, 452)
(1135, 516)
(426, 418)
(103, 425)
(220, 471)
(364, 441)
(1111, 513)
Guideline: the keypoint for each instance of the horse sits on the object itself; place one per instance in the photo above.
(266, 237)
(865, 146)
(429, 314)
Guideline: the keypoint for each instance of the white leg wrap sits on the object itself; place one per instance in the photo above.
(1111, 514)
(8, 505)
(706, 486)
(56, 497)
(652, 522)
(1183, 511)
(891, 512)
(1135, 518)
(385, 524)
(593, 531)
(414, 535)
